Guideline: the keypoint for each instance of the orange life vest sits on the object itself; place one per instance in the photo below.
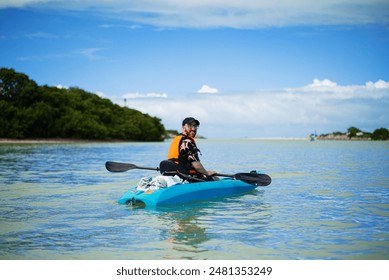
(174, 151)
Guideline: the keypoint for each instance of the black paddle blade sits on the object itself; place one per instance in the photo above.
(118, 166)
(254, 179)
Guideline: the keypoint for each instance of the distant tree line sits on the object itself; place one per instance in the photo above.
(31, 111)
(355, 133)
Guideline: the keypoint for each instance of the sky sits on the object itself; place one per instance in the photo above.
(245, 69)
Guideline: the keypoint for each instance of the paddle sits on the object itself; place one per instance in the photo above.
(122, 167)
(250, 178)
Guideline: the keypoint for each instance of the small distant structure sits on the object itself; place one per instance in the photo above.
(312, 137)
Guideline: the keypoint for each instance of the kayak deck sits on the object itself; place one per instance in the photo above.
(182, 193)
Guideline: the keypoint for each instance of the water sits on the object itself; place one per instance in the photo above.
(328, 200)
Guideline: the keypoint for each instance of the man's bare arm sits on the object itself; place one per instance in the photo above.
(200, 169)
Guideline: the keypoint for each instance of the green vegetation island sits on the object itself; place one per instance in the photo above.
(32, 112)
(354, 133)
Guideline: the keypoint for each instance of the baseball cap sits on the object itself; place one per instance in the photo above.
(190, 120)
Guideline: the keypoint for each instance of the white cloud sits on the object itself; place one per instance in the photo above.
(225, 13)
(100, 94)
(131, 26)
(62, 86)
(90, 53)
(379, 84)
(293, 112)
(322, 84)
(41, 35)
(207, 89)
(136, 95)
(334, 91)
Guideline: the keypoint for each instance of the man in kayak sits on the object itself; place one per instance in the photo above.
(183, 151)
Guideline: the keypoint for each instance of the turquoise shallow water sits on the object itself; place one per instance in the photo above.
(328, 200)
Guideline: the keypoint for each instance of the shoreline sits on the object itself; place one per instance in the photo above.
(56, 141)
(90, 141)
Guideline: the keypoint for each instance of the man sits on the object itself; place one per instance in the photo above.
(183, 150)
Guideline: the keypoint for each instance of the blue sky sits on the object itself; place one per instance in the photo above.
(244, 69)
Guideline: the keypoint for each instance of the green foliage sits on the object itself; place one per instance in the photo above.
(352, 131)
(338, 133)
(380, 134)
(31, 111)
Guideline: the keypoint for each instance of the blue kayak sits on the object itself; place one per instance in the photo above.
(183, 193)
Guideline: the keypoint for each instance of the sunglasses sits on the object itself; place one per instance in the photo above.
(193, 126)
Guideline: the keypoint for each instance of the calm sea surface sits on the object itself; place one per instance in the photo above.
(328, 200)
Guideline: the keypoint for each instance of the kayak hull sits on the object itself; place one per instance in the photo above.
(184, 193)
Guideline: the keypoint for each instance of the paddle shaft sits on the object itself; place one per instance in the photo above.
(122, 167)
(255, 179)
(148, 168)
(224, 175)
